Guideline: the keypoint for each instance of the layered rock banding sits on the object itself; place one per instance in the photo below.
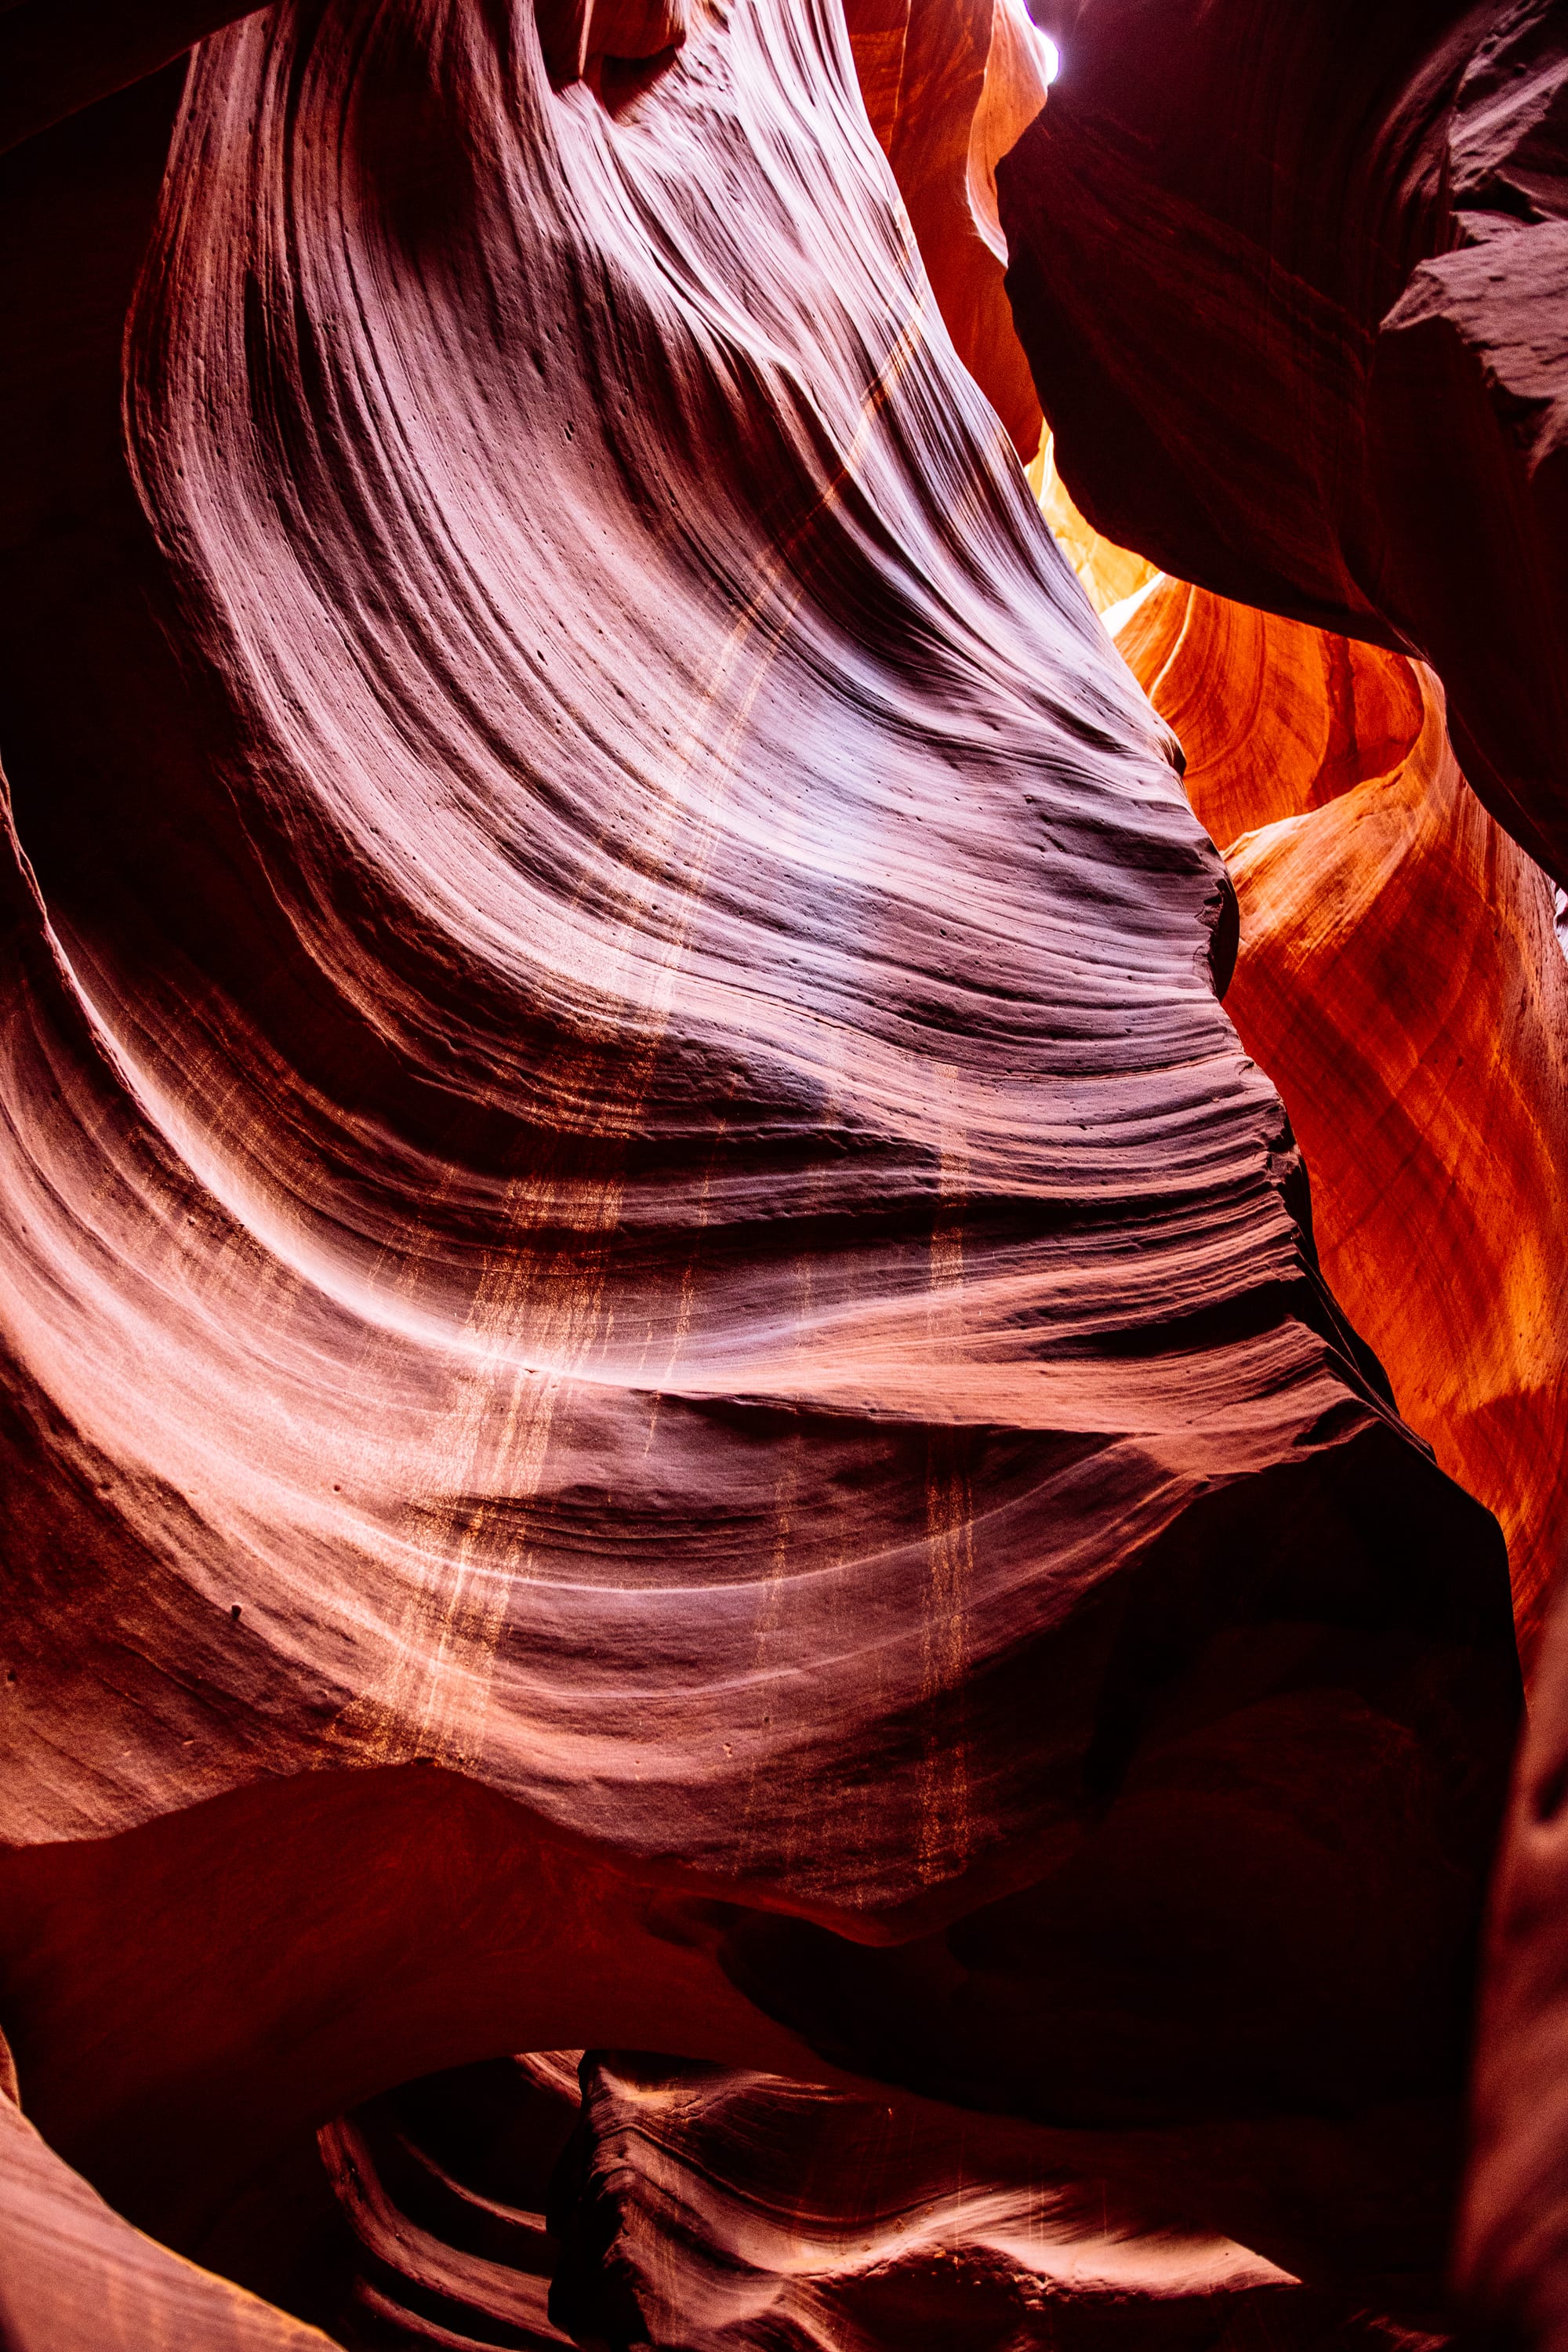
(663, 1379)
(1291, 282)
(703, 2208)
(443, 2185)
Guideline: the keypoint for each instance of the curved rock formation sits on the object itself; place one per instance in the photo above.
(662, 1378)
(72, 2272)
(1293, 285)
(443, 2185)
(1274, 718)
(1399, 977)
(707, 2209)
(1400, 981)
(1512, 2261)
(721, 2209)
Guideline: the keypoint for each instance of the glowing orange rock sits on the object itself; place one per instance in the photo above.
(660, 1379)
(1107, 574)
(1400, 979)
(949, 90)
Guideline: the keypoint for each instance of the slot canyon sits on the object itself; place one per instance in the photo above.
(784, 1175)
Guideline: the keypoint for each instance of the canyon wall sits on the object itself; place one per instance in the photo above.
(666, 1386)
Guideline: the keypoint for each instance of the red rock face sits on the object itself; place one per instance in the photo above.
(443, 2186)
(1513, 2227)
(1292, 288)
(663, 1383)
(1291, 282)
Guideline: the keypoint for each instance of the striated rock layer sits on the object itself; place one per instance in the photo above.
(705, 2209)
(663, 1383)
(443, 2186)
(1293, 283)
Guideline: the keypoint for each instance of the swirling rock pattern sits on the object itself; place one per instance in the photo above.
(1399, 977)
(1291, 282)
(707, 2209)
(721, 2209)
(663, 1382)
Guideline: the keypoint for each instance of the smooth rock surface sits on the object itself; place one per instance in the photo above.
(950, 85)
(1400, 979)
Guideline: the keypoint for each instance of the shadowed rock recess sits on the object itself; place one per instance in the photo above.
(663, 1386)
(1293, 283)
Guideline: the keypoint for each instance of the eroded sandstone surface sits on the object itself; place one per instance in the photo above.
(666, 1382)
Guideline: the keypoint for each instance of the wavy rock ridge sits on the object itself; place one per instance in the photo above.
(670, 1350)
